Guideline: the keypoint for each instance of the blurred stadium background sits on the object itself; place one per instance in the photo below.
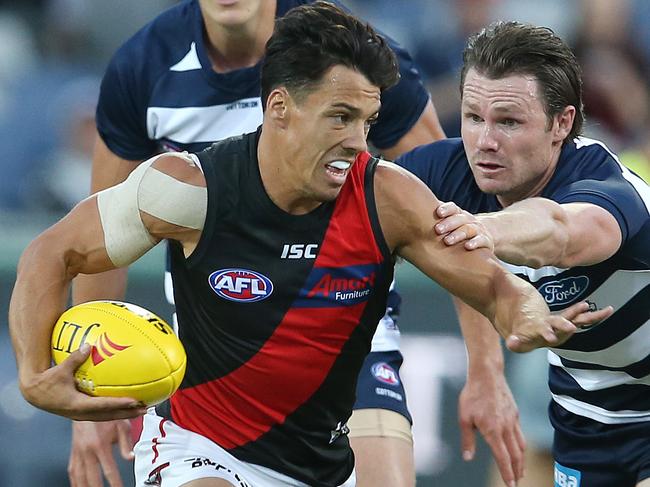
(52, 55)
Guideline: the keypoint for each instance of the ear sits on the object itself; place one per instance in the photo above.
(277, 106)
(564, 123)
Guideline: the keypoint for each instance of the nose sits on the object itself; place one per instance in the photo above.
(486, 138)
(357, 138)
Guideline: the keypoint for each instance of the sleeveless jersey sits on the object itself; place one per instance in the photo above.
(602, 372)
(276, 312)
(160, 93)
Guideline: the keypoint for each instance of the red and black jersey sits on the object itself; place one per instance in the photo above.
(277, 312)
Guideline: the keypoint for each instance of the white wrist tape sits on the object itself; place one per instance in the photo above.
(148, 190)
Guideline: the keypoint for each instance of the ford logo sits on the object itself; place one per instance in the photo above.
(240, 285)
(564, 291)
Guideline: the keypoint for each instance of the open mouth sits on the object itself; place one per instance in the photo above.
(489, 166)
(338, 169)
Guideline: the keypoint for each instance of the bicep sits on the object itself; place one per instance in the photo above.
(594, 234)
(78, 240)
(163, 198)
(406, 210)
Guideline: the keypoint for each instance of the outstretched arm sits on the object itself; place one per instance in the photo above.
(515, 308)
(562, 236)
(88, 240)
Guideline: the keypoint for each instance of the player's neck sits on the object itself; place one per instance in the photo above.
(236, 47)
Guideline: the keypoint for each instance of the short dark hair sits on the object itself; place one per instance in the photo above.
(506, 48)
(312, 38)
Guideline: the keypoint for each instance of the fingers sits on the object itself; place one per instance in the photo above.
(502, 459)
(516, 453)
(92, 469)
(467, 440)
(558, 331)
(91, 458)
(76, 358)
(521, 441)
(107, 408)
(479, 242)
(447, 208)
(109, 467)
(453, 223)
(124, 439)
(582, 315)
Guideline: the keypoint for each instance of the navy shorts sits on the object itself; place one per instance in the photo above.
(592, 454)
(379, 385)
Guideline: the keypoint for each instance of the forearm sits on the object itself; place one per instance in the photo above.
(107, 285)
(483, 344)
(532, 232)
(39, 297)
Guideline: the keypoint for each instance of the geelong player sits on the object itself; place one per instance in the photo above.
(270, 382)
(190, 78)
(570, 219)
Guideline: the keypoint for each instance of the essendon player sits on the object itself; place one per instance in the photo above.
(274, 345)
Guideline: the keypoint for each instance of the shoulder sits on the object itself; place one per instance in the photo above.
(405, 205)
(181, 166)
(588, 172)
(589, 164)
(399, 189)
(443, 151)
(436, 162)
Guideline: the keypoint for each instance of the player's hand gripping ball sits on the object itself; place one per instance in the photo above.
(133, 352)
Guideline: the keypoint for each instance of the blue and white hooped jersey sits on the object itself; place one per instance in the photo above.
(602, 372)
(160, 92)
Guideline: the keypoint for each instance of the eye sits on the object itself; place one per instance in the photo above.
(370, 122)
(341, 118)
(473, 117)
(510, 122)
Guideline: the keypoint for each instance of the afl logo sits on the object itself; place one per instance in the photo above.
(385, 373)
(240, 285)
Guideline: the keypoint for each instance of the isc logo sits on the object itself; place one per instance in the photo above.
(385, 373)
(240, 285)
(298, 251)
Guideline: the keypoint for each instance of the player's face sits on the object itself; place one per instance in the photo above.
(230, 13)
(328, 129)
(511, 147)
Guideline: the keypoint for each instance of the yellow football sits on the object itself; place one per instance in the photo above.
(133, 352)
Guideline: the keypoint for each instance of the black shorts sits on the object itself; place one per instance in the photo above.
(592, 454)
(380, 386)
